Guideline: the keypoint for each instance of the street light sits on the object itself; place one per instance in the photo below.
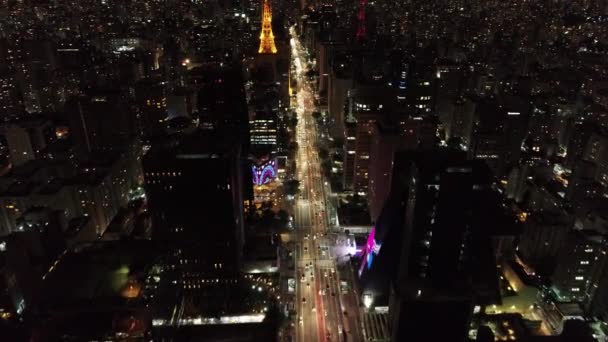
(368, 300)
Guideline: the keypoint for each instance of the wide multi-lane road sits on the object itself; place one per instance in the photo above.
(327, 308)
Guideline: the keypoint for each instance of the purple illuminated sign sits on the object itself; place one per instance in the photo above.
(265, 173)
(370, 249)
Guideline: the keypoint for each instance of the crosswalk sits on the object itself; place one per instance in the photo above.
(375, 326)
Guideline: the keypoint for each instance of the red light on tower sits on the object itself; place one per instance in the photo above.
(361, 30)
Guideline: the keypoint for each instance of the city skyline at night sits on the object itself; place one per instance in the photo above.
(304, 170)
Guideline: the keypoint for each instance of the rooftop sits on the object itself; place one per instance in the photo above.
(98, 276)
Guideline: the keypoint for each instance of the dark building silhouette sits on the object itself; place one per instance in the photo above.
(194, 183)
(100, 120)
(432, 258)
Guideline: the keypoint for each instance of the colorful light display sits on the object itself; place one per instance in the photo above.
(370, 249)
(265, 173)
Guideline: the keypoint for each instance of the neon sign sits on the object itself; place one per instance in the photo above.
(265, 173)
(370, 249)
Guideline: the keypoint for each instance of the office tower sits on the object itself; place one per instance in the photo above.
(263, 132)
(459, 120)
(442, 242)
(387, 139)
(10, 100)
(151, 102)
(580, 262)
(35, 75)
(544, 234)
(439, 238)
(431, 254)
(195, 185)
(339, 82)
(421, 85)
(221, 101)
(366, 106)
(19, 144)
(498, 133)
(598, 301)
(596, 152)
(100, 120)
(26, 139)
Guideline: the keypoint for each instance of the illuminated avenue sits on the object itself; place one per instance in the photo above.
(325, 311)
(299, 170)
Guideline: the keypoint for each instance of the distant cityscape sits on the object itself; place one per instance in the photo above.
(304, 170)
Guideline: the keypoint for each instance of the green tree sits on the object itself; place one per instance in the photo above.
(291, 187)
(323, 154)
(338, 143)
(283, 218)
(292, 148)
(326, 167)
(293, 122)
(317, 115)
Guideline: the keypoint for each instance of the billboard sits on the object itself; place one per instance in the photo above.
(264, 173)
(370, 249)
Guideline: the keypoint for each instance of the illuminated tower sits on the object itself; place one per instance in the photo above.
(361, 30)
(266, 37)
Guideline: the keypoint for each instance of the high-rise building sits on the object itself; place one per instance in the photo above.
(221, 101)
(195, 191)
(459, 120)
(386, 141)
(366, 107)
(544, 235)
(194, 185)
(581, 133)
(35, 75)
(263, 131)
(431, 254)
(26, 139)
(339, 82)
(498, 133)
(19, 144)
(100, 120)
(350, 145)
(439, 239)
(596, 152)
(11, 103)
(151, 102)
(579, 265)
